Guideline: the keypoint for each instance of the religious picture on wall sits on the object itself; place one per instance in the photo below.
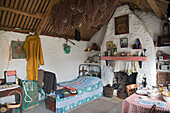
(18, 50)
(109, 45)
(121, 25)
(123, 42)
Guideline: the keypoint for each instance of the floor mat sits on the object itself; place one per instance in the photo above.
(96, 106)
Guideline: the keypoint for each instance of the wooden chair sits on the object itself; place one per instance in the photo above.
(152, 110)
(131, 89)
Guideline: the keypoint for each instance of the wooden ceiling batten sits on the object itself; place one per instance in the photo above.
(23, 21)
(41, 5)
(12, 3)
(155, 8)
(32, 24)
(29, 23)
(18, 20)
(36, 15)
(25, 5)
(45, 6)
(20, 4)
(7, 3)
(37, 5)
(3, 17)
(26, 22)
(11, 20)
(29, 6)
(50, 29)
(7, 18)
(33, 6)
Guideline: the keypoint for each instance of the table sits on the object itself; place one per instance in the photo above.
(129, 105)
(6, 92)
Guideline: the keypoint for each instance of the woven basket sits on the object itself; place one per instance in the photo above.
(16, 105)
(108, 92)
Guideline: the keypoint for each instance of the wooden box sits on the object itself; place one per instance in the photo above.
(50, 104)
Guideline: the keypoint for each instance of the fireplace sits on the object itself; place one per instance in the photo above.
(121, 81)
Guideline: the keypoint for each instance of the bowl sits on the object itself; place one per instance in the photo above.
(166, 96)
(152, 93)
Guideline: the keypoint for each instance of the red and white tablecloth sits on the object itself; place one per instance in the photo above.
(129, 105)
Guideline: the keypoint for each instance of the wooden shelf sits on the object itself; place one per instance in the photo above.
(92, 51)
(93, 63)
(167, 71)
(124, 58)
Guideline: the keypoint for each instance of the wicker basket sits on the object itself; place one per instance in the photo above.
(16, 105)
(108, 91)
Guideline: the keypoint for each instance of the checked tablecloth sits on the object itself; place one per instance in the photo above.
(132, 105)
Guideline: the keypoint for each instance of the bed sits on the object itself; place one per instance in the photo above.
(88, 88)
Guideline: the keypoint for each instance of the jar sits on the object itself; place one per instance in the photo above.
(160, 87)
(168, 86)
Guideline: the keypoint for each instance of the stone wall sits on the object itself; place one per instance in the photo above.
(137, 29)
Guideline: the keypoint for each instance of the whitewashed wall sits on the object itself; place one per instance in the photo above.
(65, 66)
(137, 29)
(98, 37)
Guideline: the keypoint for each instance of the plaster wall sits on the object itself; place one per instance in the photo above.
(137, 29)
(65, 66)
(98, 37)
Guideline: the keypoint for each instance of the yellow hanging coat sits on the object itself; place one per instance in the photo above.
(34, 56)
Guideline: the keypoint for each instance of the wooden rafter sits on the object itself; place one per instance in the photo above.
(44, 20)
(36, 15)
(155, 8)
(15, 30)
(140, 5)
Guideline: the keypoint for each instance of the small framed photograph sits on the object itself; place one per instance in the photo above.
(124, 42)
(109, 45)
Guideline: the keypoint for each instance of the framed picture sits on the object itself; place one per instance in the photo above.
(123, 42)
(109, 45)
(17, 50)
(122, 24)
(164, 40)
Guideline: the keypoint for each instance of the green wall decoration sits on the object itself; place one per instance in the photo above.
(18, 51)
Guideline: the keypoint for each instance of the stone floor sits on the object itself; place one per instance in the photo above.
(42, 108)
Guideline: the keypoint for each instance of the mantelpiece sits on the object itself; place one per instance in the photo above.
(126, 58)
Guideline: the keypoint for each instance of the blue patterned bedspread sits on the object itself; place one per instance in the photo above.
(88, 88)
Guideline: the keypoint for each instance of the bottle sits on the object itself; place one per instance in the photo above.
(16, 81)
(144, 81)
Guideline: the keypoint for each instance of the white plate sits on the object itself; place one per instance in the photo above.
(143, 97)
(142, 92)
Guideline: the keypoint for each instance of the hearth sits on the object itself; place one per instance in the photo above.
(121, 81)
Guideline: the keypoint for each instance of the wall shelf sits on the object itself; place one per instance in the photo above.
(166, 71)
(126, 58)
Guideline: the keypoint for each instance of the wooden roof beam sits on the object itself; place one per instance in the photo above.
(36, 15)
(44, 20)
(15, 29)
(155, 8)
(139, 4)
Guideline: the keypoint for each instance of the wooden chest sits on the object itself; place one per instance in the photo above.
(50, 104)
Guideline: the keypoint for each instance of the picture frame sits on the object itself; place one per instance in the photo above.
(122, 24)
(109, 45)
(123, 42)
(18, 52)
(164, 40)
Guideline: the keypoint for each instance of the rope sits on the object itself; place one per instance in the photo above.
(26, 94)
